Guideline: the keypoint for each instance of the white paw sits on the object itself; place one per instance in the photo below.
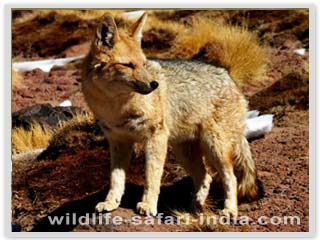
(107, 206)
(144, 208)
(230, 213)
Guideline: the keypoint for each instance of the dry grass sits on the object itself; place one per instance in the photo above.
(75, 124)
(77, 119)
(39, 137)
(233, 48)
(25, 140)
(83, 14)
(169, 26)
(16, 79)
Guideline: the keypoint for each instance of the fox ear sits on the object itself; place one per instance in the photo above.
(133, 15)
(137, 27)
(107, 33)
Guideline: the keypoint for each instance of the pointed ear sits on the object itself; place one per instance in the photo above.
(107, 33)
(137, 27)
(133, 15)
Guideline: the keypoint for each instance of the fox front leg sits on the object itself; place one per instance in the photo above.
(156, 152)
(120, 158)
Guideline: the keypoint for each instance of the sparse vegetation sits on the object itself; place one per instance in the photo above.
(233, 48)
(76, 161)
(83, 14)
(77, 119)
(15, 79)
(36, 137)
(80, 132)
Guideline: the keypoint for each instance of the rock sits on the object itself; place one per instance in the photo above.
(44, 114)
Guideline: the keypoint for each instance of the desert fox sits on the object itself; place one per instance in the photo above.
(193, 106)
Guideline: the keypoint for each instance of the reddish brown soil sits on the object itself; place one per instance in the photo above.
(78, 177)
(282, 162)
(38, 87)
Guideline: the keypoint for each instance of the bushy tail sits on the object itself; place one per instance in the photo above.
(245, 170)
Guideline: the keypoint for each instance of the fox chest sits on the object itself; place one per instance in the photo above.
(120, 122)
(131, 125)
(135, 118)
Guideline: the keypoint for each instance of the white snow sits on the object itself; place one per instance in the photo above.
(258, 126)
(252, 114)
(44, 65)
(66, 103)
(300, 51)
(29, 155)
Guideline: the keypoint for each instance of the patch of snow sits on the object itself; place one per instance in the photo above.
(44, 65)
(258, 126)
(300, 51)
(252, 114)
(29, 155)
(66, 103)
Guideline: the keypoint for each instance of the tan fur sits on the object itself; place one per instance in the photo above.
(245, 170)
(196, 108)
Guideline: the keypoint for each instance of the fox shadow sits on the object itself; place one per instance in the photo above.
(173, 197)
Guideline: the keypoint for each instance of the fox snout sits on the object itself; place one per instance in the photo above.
(144, 83)
(145, 88)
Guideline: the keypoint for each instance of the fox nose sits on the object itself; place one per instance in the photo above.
(154, 85)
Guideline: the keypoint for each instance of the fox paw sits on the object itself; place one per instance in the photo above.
(230, 213)
(144, 208)
(106, 206)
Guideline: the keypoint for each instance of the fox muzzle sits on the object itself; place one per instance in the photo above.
(144, 88)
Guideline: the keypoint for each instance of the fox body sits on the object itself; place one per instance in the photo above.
(193, 106)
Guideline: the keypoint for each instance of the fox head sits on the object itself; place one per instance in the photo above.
(118, 59)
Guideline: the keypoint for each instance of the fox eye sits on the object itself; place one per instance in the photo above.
(129, 65)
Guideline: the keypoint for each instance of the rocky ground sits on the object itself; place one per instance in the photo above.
(72, 174)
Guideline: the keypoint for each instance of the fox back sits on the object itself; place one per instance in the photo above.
(196, 91)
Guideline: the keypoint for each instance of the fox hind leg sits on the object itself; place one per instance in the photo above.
(189, 155)
(218, 151)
